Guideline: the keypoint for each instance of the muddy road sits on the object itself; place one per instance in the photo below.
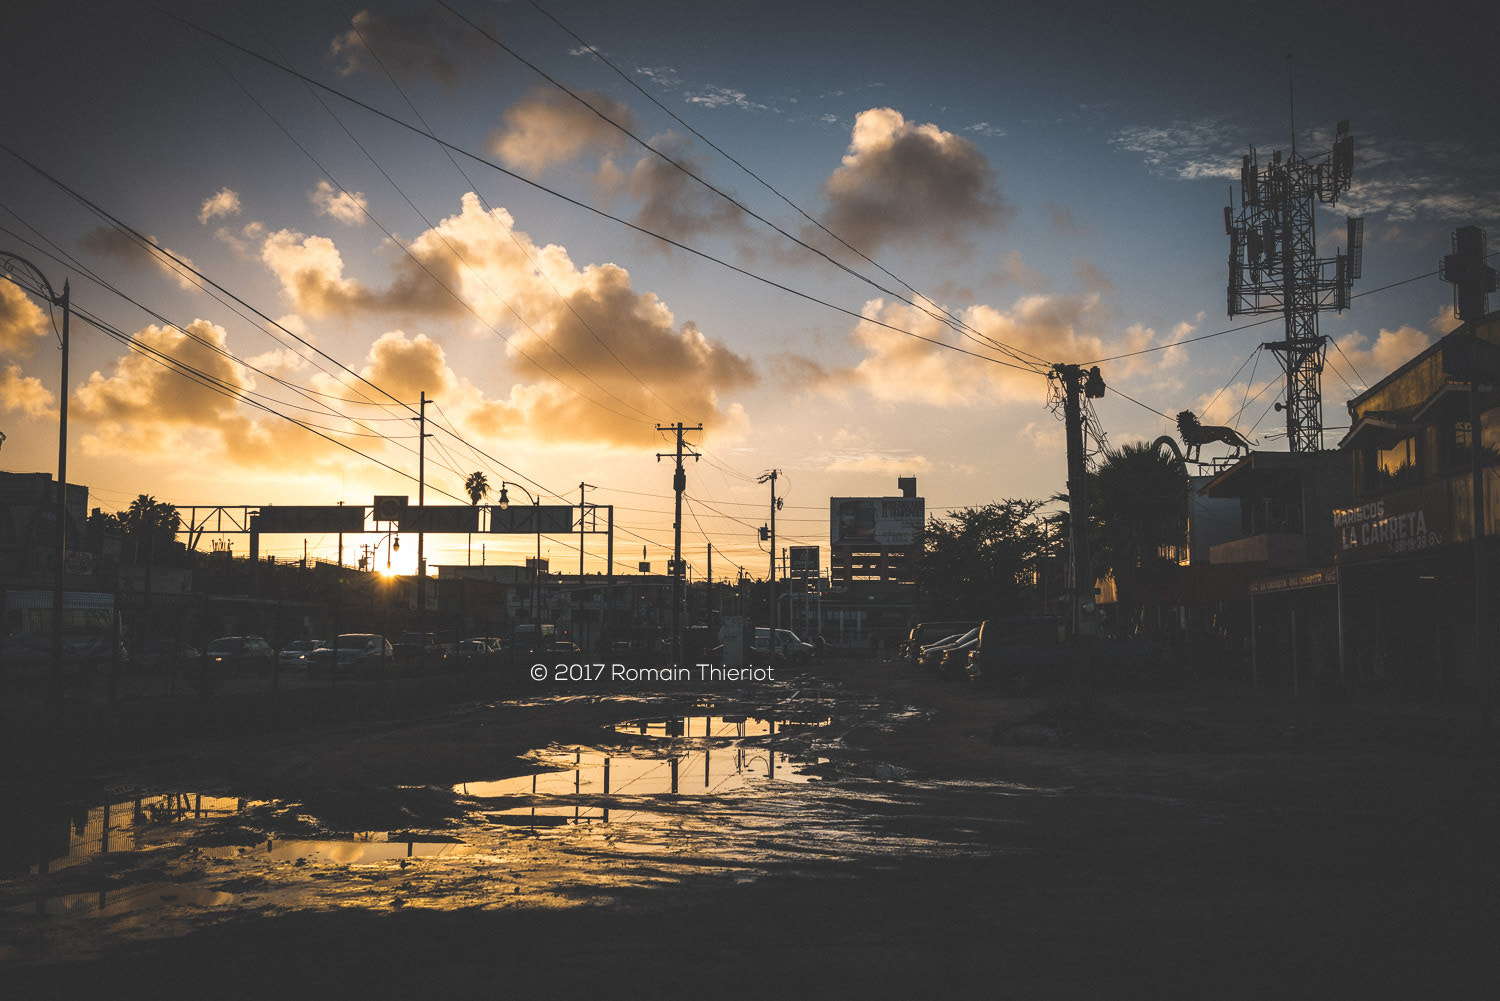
(854, 831)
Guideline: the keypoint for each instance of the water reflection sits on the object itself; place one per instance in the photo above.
(714, 727)
(705, 772)
(58, 839)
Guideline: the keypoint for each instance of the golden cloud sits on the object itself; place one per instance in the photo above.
(547, 127)
(24, 393)
(22, 321)
(348, 207)
(902, 182)
(144, 408)
(224, 203)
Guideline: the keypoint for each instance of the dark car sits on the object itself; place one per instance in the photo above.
(296, 653)
(356, 651)
(1021, 653)
(240, 655)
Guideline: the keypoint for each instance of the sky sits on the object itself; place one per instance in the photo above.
(847, 241)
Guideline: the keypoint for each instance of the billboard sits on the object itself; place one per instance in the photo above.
(876, 521)
(529, 519)
(803, 561)
(297, 518)
(451, 518)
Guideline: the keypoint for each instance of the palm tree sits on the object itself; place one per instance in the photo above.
(476, 486)
(1139, 499)
(149, 520)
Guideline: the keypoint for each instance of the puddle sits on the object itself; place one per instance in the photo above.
(701, 797)
(706, 772)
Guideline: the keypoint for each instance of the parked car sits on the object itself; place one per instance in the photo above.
(240, 655)
(294, 655)
(780, 645)
(1021, 653)
(927, 633)
(475, 653)
(356, 651)
(563, 650)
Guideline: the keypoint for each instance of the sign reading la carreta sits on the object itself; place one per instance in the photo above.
(1409, 521)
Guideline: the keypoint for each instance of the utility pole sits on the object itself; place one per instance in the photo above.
(770, 478)
(422, 436)
(679, 486)
(708, 591)
(1078, 385)
(10, 267)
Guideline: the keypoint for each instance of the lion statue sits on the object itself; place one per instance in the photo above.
(1195, 435)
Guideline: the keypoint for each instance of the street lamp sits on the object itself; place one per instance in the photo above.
(536, 572)
(40, 286)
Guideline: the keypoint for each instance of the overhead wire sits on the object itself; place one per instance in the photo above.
(593, 210)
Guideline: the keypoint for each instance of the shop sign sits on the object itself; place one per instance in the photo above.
(1295, 581)
(1399, 524)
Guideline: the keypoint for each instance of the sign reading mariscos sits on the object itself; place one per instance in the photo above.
(876, 521)
(1410, 521)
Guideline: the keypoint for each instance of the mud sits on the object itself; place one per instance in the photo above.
(888, 834)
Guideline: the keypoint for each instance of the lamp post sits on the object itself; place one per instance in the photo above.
(536, 570)
(39, 285)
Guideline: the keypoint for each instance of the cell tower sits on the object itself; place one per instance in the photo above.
(1274, 267)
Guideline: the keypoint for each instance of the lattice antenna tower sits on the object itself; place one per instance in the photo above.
(1274, 266)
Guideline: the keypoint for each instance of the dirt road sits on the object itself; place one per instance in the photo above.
(891, 836)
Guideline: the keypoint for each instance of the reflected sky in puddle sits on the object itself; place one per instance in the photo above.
(700, 798)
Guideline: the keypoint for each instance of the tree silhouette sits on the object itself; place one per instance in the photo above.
(1138, 499)
(477, 486)
(982, 562)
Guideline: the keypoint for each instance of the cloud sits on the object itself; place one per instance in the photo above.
(900, 368)
(710, 96)
(347, 207)
(1090, 278)
(1372, 362)
(22, 321)
(311, 272)
(145, 409)
(423, 44)
(407, 367)
(111, 242)
(1063, 220)
(901, 182)
(24, 393)
(672, 203)
(1190, 150)
(1015, 271)
(547, 127)
(595, 359)
(225, 203)
(896, 466)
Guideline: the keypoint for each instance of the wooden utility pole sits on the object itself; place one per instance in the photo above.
(679, 486)
(1078, 384)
